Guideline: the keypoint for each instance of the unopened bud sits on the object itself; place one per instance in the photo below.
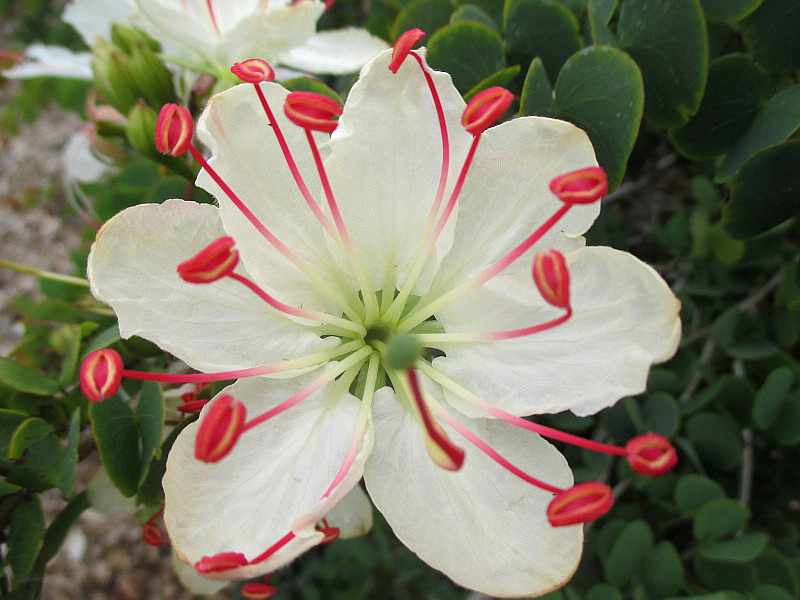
(125, 38)
(213, 262)
(152, 77)
(402, 47)
(551, 276)
(253, 70)
(174, 130)
(485, 108)
(583, 186)
(579, 504)
(141, 127)
(152, 534)
(101, 374)
(312, 111)
(113, 76)
(651, 454)
(224, 561)
(220, 429)
(258, 591)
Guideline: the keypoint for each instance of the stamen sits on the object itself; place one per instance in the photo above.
(434, 339)
(224, 561)
(259, 591)
(214, 262)
(485, 108)
(210, 6)
(581, 503)
(174, 130)
(220, 429)
(583, 186)
(253, 70)
(331, 533)
(312, 111)
(101, 374)
(152, 534)
(402, 47)
(651, 454)
(551, 276)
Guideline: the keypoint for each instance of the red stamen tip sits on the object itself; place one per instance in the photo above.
(580, 503)
(258, 591)
(225, 561)
(174, 130)
(192, 406)
(485, 108)
(101, 374)
(551, 276)
(312, 111)
(651, 454)
(583, 186)
(220, 429)
(215, 261)
(403, 46)
(253, 70)
(152, 534)
(331, 533)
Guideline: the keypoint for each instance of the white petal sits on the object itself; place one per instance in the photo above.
(106, 498)
(177, 24)
(352, 515)
(483, 527)
(80, 162)
(386, 161)
(93, 18)
(217, 326)
(506, 195)
(338, 52)
(277, 471)
(52, 61)
(625, 319)
(247, 156)
(193, 581)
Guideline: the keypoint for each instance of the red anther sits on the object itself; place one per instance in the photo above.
(312, 111)
(101, 374)
(580, 503)
(551, 276)
(174, 130)
(192, 406)
(224, 561)
(152, 534)
(583, 186)
(253, 70)
(651, 454)
(403, 46)
(330, 533)
(220, 429)
(215, 261)
(485, 108)
(258, 591)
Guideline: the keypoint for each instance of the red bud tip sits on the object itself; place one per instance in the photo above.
(551, 276)
(580, 503)
(583, 186)
(651, 454)
(101, 374)
(174, 130)
(331, 533)
(215, 261)
(220, 429)
(192, 406)
(312, 111)
(258, 591)
(403, 46)
(253, 70)
(152, 534)
(485, 108)
(224, 561)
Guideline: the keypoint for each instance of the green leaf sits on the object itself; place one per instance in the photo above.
(26, 380)
(662, 570)
(24, 539)
(469, 51)
(67, 341)
(151, 492)
(720, 518)
(117, 436)
(771, 396)
(775, 122)
(717, 442)
(765, 191)
(428, 15)
(66, 478)
(493, 8)
(599, 89)
(600, 13)
(661, 413)
(740, 550)
(770, 592)
(470, 12)
(60, 527)
(540, 28)
(728, 11)
(537, 93)
(773, 568)
(7, 488)
(770, 35)
(603, 591)
(306, 84)
(667, 39)
(786, 430)
(735, 89)
(29, 433)
(633, 544)
(500, 78)
(102, 340)
(150, 416)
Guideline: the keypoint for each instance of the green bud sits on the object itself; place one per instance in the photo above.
(152, 77)
(141, 129)
(125, 38)
(113, 76)
(402, 352)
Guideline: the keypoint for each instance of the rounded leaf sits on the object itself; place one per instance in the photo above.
(719, 519)
(717, 442)
(469, 51)
(728, 11)
(662, 571)
(693, 491)
(770, 35)
(627, 553)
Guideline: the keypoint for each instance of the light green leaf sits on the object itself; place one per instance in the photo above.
(26, 380)
(25, 537)
(537, 93)
(29, 433)
(728, 11)
(469, 51)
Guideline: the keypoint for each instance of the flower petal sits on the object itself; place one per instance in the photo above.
(93, 18)
(218, 326)
(250, 499)
(352, 515)
(482, 526)
(51, 61)
(625, 319)
(386, 161)
(338, 52)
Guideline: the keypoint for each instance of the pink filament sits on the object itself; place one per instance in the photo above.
(514, 333)
(210, 5)
(451, 203)
(276, 304)
(294, 400)
(326, 186)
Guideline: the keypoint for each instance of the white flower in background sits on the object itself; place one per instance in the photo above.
(372, 291)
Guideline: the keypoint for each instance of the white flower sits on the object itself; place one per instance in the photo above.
(406, 229)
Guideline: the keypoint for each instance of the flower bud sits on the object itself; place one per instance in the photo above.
(485, 108)
(152, 534)
(403, 46)
(220, 429)
(651, 454)
(583, 186)
(551, 276)
(224, 561)
(125, 38)
(213, 262)
(113, 76)
(193, 406)
(312, 111)
(101, 374)
(152, 77)
(174, 130)
(581, 503)
(141, 128)
(253, 70)
(258, 591)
